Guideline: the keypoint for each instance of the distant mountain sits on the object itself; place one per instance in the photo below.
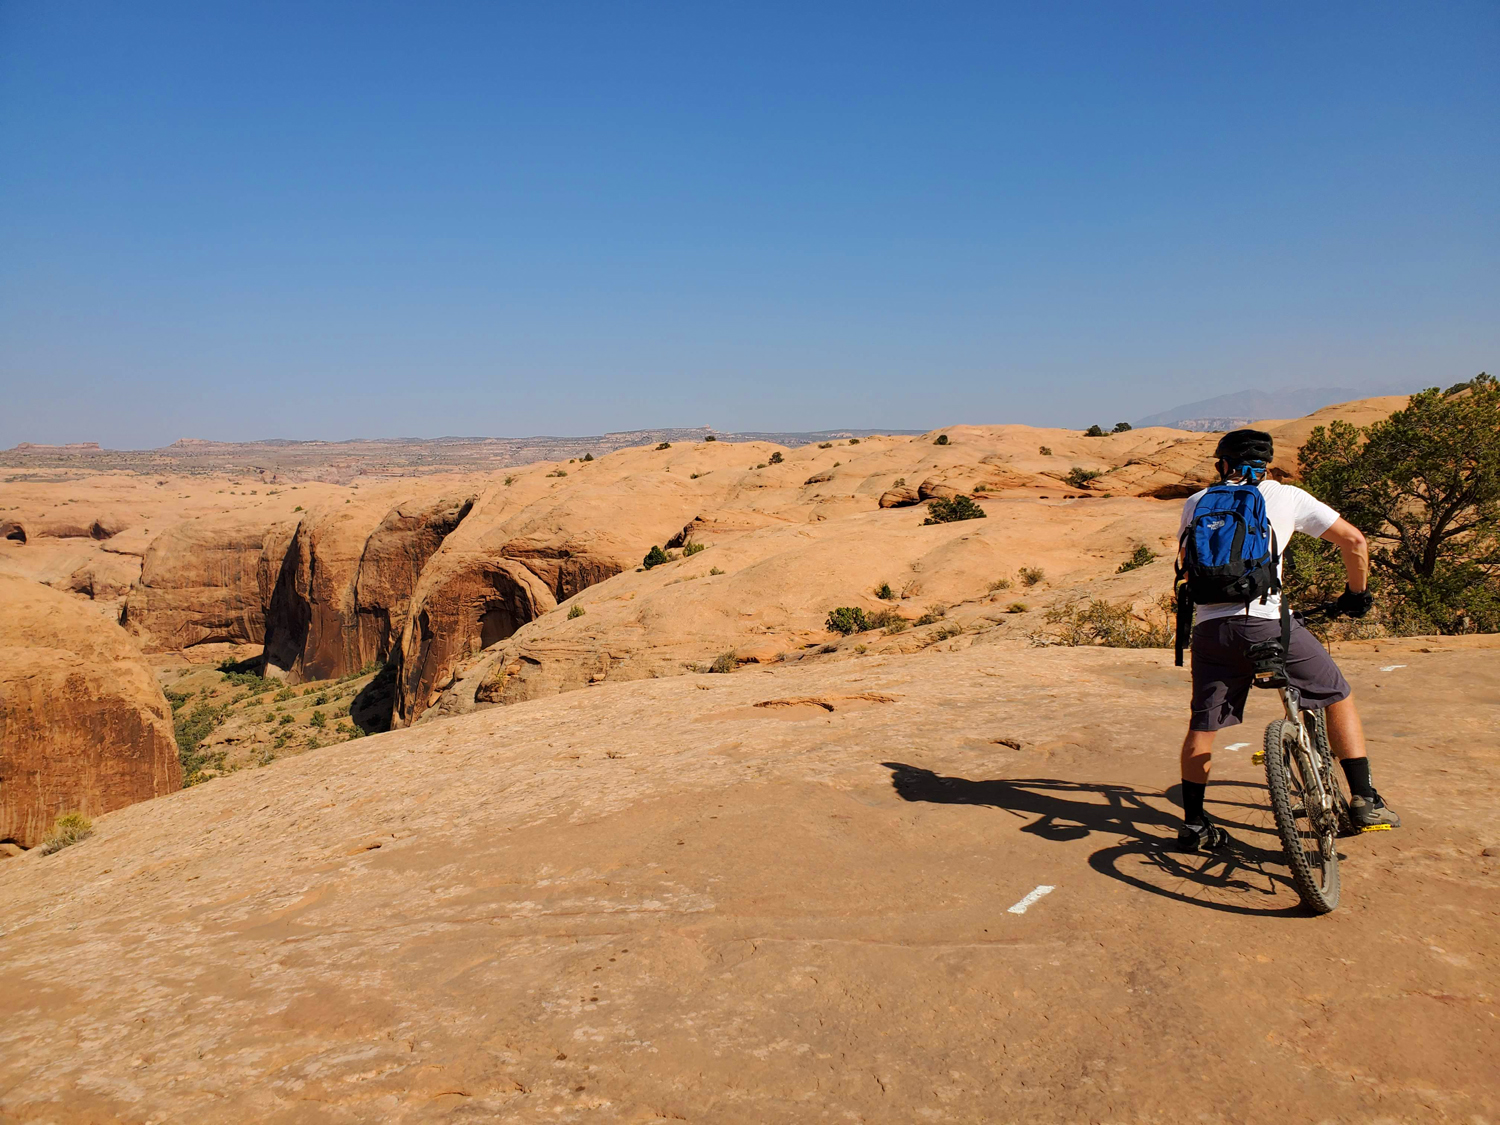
(1228, 412)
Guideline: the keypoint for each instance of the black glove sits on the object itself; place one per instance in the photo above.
(1355, 605)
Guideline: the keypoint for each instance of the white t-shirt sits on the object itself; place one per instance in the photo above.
(1289, 509)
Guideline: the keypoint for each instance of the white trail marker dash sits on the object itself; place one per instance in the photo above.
(1236, 746)
(1020, 907)
(1392, 667)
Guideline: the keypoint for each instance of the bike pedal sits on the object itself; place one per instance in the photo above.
(1376, 828)
(1258, 758)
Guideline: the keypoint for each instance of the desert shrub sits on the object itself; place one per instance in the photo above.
(588, 456)
(1077, 477)
(67, 829)
(952, 509)
(847, 619)
(322, 699)
(1104, 623)
(282, 739)
(1122, 428)
(777, 458)
(942, 439)
(1045, 450)
(1424, 487)
(1031, 575)
(176, 698)
(725, 662)
(1093, 431)
(885, 618)
(576, 612)
(693, 548)
(558, 473)
(269, 717)
(898, 624)
(710, 437)
(885, 593)
(664, 445)
(318, 720)
(714, 570)
(1017, 607)
(854, 441)
(509, 481)
(654, 557)
(1000, 584)
(825, 445)
(898, 482)
(861, 649)
(287, 720)
(947, 631)
(1138, 558)
(253, 682)
(286, 693)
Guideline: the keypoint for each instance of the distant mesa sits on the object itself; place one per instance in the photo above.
(1231, 411)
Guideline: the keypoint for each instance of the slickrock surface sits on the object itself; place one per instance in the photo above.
(781, 895)
(84, 726)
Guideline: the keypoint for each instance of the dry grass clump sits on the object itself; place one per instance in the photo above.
(67, 829)
(725, 662)
(1031, 575)
(1099, 622)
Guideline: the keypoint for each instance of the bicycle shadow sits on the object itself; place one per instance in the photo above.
(1230, 880)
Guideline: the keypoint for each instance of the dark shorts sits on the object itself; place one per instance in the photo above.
(1222, 675)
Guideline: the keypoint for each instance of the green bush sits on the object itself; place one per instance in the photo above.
(1139, 558)
(1017, 607)
(1031, 575)
(1122, 428)
(777, 458)
(664, 445)
(176, 698)
(888, 619)
(854, 441)
(847, 619)
(286, 720)
(1077, 477)
(1424, 487)
(588, 456)
(1045, 450)
(286, 693)
(1093, 431)
(710, 437)
(724, 662)
(693, 548)
(1000, 584)
(942, 439)
(558, 473)
(885, 593)
(319, 720)
(655, 557)
(576, 612)
(953, 509)
(714, 570)
(509, 481)
(67, 829)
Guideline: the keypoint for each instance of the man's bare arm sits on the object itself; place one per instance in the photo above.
(1353, 549)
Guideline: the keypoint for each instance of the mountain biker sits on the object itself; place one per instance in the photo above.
(1223, 632)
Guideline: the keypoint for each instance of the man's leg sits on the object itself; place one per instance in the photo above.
(1345, 732)
(1346, 736)
(1197, 758)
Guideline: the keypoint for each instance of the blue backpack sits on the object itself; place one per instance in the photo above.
(1229, 553)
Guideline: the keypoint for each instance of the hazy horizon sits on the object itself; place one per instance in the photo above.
(333, 221)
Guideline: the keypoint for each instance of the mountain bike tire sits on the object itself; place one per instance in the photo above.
(1317, 726)
(1311, 856)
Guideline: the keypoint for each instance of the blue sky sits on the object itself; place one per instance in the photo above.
(327, 220)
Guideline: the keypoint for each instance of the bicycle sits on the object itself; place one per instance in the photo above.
(1307, 796)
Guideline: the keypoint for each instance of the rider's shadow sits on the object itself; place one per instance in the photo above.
(1143, 836)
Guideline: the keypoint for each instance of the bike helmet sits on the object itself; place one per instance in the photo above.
(1246, 451)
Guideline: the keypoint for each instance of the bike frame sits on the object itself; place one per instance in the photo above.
(1291, 700)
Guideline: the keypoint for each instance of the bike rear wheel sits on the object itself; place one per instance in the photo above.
(1317, 727)
(1307, 834)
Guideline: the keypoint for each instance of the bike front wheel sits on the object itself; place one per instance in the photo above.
(1307, 833)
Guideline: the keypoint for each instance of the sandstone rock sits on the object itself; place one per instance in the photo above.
(200, 583)
(900, 497)
(106, 576)
(339, 600)
(13, 530)
(83, 723)
(934, 489)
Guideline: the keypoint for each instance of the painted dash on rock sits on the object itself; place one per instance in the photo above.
(1029, 900)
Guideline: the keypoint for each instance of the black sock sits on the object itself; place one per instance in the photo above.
(1357, 770)
(1192, 801)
